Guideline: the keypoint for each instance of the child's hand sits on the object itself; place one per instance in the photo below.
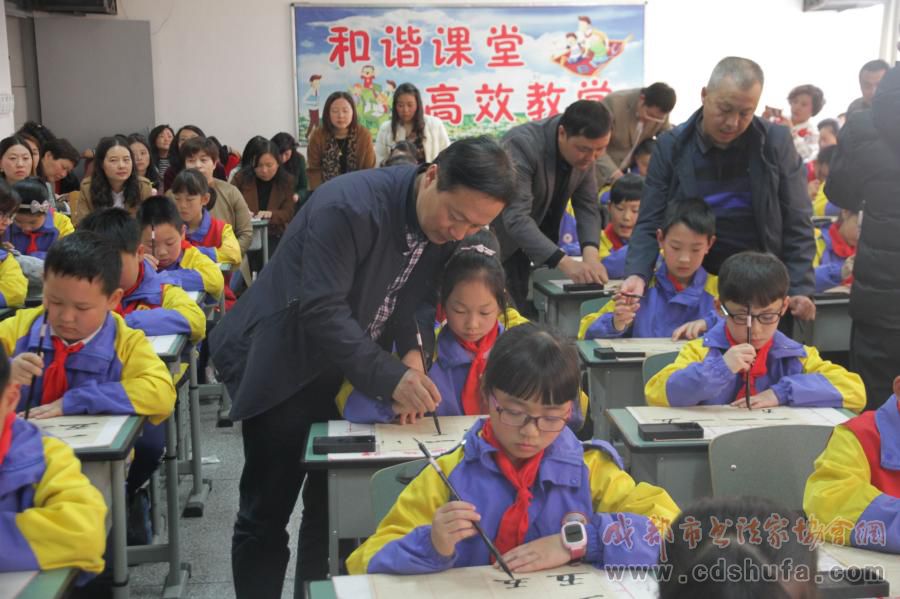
(624, 313)
(25, 367)
(540, 554)
(740, 357)
(8, 246)
(453, 523)
(689, 330)
(50, 410)
(847, 267)
(404, 417)
(766, 399)
(153, 260)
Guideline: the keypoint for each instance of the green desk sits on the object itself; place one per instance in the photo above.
(562, 309)
(321, 589)
(830, 331)
(48, 584)
(169, 349)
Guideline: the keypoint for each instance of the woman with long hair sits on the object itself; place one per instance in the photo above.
(409, 122)
(339, 145)
(143, 162)
(161, 138)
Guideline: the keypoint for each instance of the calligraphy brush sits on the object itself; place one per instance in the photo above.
(454, 496)
(437, 425)
(153, 240)
(41, 339)
(749, 329)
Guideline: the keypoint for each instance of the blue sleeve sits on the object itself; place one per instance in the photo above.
(828, 276)
(711, 319)
(615, 263)
(362, 409)
(878, 527)
(807, 391)
(3, 303)
(158, 321)
(621, 539)
(709, 382)
(412, 554)
(97, 398)
(568, 235)
(603, 328)
(17, 554)
(186, 278)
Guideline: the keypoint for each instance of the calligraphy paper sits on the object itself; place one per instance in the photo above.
(83, 431)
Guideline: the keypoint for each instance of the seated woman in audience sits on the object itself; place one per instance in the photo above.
(409, 122)
(340, 144)
(115, 181)
(35, 135)
(806, 102)
(294, 163)
(161, 138)
(835, 251)
(16, 162)
(37, 224)
(58, 159)
(140, 149)
(525, 477)
(176, 162)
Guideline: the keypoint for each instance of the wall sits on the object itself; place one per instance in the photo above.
(228, 69)
(6, 120)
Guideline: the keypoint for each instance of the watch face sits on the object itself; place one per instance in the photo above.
(573, 533)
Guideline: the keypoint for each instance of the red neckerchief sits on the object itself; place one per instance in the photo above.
(6, 437)
(838, 244)
(32, 241)
(613, 238)
(471, 394)
(122, 309)
(439, 314)
(758, 368)
(514, 523)
(55, 382)
(678, 286)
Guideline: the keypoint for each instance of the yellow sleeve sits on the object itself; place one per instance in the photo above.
(175, 298)
(820, 248)
(655, 390)
(63, 224)
(712, 285)
(839, 487)
(605, 245)
(613, 490)
(209, 271)
(512, 318)
(229, 252)
(414, 507)
(66, 527)
(820, 201)
(849, 384)
(13, 284)
(145, 378)
(589, 319)
(14, 328)
(343, 393)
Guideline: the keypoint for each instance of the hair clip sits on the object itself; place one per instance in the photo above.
(480, 248)
(38, 207)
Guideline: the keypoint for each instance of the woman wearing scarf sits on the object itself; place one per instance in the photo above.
(340, 145)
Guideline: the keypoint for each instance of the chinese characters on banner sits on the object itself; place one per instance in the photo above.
(480, 70)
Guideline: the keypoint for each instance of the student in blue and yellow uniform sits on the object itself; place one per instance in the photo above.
(194, 198)
(13, 284)
(52, 517)
(835, 248)
(36, 225)
(680, 290)
(93, 363)
(162, 232)
(522, 474)
(854, 492)
(710, 370)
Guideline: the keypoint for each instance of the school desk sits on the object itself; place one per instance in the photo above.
(46, 584)
(560, 308)
(830, 331)
(614, 383)
(681, 467)
(106, 456)
(260, 239)
(888, 563)
(6, 313)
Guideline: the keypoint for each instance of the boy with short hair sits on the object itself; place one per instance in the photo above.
(821, 205)
(680, 290)
(711, 370)
(854, 492)
(52, 516)
(194, 199)
(162, 231)
(150, 301)
(835, 251)
(92, 362)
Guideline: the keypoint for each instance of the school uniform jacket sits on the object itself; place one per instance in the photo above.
(215, 239)
(821, 205)
(194, 271)
(158, 307)
(856, 483)
(56, 225)
(50, 514)
(116, 372)
(663, 308)
(572, 478)
(827, 263)
(13, 284)
(796, 373)
(613, 258)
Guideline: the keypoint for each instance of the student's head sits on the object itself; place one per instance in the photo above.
(81, 284)
(402, 152)
(465, 189)
(625, 204)
(870, 76)
(642, 155)
(114, 172)
(188, 132)
(161, 138)
(9, 205)
(828, 132)
(162, 229)
(756, 281)
(656, 102)
(140, 150)
(16, 161)
(823, 162)
(122, 231)
(529, 384)
(583, 133)
(806, 102)
(473, 287)
(37, 137)
(34, 204)
(848, 226)
(192, 194)
(687, 234)
(58, 158)
(287, 145)
(200, 153)
(262, 159)
(730, 99)
(407, 109)
(339, 116)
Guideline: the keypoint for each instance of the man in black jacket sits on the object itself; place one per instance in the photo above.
(339, 293)
(865, 175)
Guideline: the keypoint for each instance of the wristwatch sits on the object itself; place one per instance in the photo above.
(574, 538)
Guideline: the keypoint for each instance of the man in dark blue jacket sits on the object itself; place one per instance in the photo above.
(746, 169)
(339, 293)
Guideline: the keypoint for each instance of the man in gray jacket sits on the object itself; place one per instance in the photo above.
(554, 160)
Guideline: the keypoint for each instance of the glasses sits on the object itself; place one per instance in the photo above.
(518, 418)
(762, 317)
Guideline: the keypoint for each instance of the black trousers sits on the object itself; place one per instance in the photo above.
(518, 273)
(875, 356)
(270, 484)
